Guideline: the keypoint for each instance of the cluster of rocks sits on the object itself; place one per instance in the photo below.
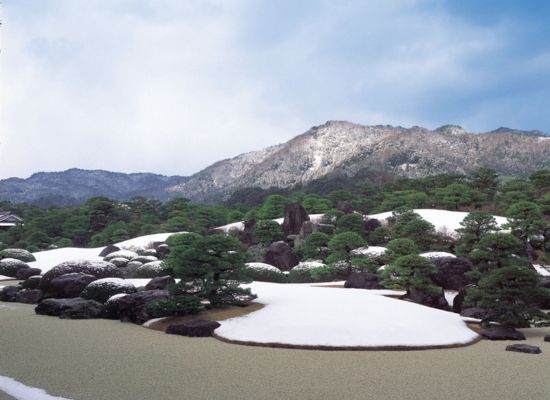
(143, 263)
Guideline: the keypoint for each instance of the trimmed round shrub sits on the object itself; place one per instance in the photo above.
(301, 273)
(149, 270)
(176, 306)
(18, 254)
(10, 266)
(102, 289)
(128, 254)
(264, 273)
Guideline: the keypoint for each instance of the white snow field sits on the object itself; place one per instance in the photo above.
(21, 391)
(443, 220)
(308, 316)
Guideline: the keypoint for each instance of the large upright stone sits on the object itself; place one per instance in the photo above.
(295, 216)
(451, 272)
(247, 235)
(280, 255)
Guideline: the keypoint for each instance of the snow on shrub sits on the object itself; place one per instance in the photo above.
(433, 255)
(305, 271)
(264, 273)
(373, 252)
(10, 266)
(149, 270)
(18, 254)
(102, 289)
(121, 254)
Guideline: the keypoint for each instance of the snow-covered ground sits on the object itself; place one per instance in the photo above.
(239, 226)
(443, 220)
(20, 391)
(543, 270)
(304, 315)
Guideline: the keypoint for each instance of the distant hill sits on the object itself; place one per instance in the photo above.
(327, 157)
(75, 186)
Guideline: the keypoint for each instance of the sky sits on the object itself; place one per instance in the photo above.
(173, 86)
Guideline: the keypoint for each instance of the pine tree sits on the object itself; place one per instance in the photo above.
(475, 225)
(399, 247)
(412, 273)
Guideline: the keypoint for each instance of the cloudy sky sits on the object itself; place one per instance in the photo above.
(172, 86)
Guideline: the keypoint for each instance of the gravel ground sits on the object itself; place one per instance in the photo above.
(106, 360)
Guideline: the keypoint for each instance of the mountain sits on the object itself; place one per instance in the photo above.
(341, 150)
(325, 157)
(75, 186)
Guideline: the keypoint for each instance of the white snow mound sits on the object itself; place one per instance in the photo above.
(304, 315)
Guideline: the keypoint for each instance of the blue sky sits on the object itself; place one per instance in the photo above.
(173, 86)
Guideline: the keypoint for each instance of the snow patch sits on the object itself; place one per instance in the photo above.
(432, 255)
(543, 270)
(21, 391)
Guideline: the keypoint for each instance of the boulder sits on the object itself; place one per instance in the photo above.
(162, 251)
(9, 293)
(102, 289)
(18, 254)
(524, 348)
(501, 333)
(144, 259)
(450, 272)
(295, 216)
(128, 254)
(280, 255)
(197, 328)
(68, 285)
(99, 269)
(108, 250)
(111, 306)
(547, 338)
(371, 224)
(160, 282)
(434, 300)
(458, 301)
(130, 268)
(134, 307)
(363, 280)
(77, 308)
(29, 296)
(24, 273)
(11, 266)
(119, 261)
(247, 235)
(475, 312)
(32, 282)
(148, 252)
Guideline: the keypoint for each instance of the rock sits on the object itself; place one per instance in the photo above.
(121, 254)
(256, 253)
(501, 333)
(475, 312)
(18, 254)
(160, 282)
(29, 296)
(162, 251)
(25, 273)
(119, 261)
(77, 308)
(371, 224)
(149, 270)
(11, 266)
(547, 338)
(99, 269)
(434, 300)
(524, 348)
(247, 235)
(197, 328)
(144, 259)
(68, 285)
(111, 306)
(148, 252)
(9, 293)
(130, 268)
(450, 272)
(134, 307)
(345, 206)
(363, 280)
(458, 300)
(280, 255)
(32, 282)
(108, 250)
(102, 289)
(295, 216)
